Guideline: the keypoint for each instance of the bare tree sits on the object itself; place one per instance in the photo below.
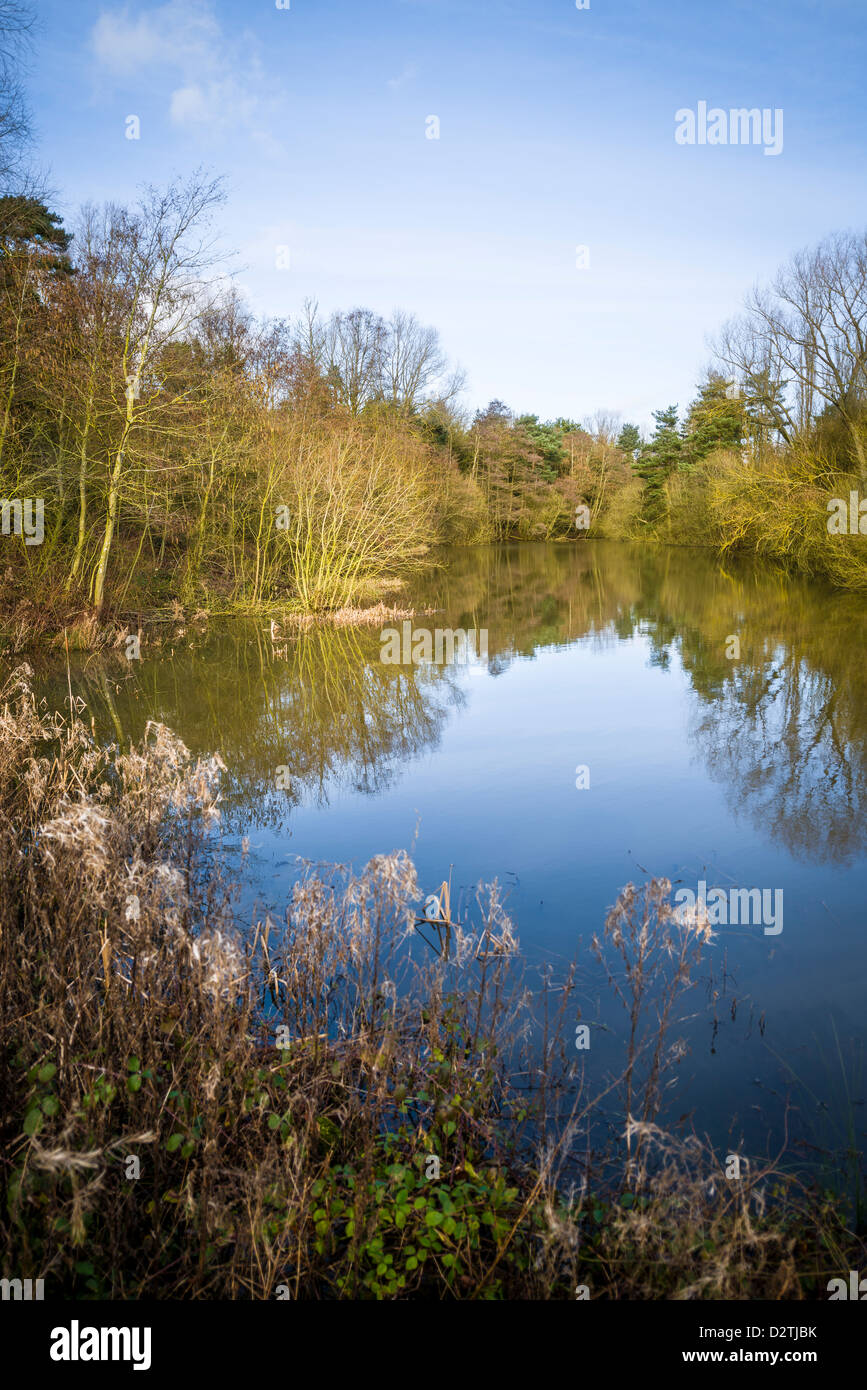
(365, 359)
(806, 339)
(225, 329)
(159, 282)
(753, 365)
(604, 426)
(16, 23)
(413, 362)
(355, 343)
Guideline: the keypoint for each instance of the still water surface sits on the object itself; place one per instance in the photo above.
(747, 772)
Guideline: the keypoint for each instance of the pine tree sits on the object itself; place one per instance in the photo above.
(715, 420)
(657, 460)
(629, 440)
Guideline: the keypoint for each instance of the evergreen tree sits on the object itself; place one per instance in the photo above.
(715, 420)
(546, 440)
(28, 230)
(657, 460)
(629, 440)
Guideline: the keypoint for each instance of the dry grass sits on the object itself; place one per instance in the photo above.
(376, 615)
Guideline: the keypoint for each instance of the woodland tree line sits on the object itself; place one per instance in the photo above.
(186, 450)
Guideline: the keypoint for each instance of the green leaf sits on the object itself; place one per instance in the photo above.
(45, 1073)
(173, 1142)
(32, 1120)
(50, 1105)
(133, 1064)
(133, 1083)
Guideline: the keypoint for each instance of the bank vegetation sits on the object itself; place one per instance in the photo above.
(183, 451)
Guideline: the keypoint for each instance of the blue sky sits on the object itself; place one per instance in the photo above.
(556, 131)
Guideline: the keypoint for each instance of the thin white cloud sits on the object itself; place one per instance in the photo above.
(189, 104)
(221, 84)
(182, 33)
(407, 75)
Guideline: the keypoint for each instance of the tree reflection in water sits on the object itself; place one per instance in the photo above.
(784, 727)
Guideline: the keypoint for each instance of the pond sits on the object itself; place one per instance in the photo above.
(639, 712)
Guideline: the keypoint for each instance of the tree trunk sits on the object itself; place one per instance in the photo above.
(113, 492)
